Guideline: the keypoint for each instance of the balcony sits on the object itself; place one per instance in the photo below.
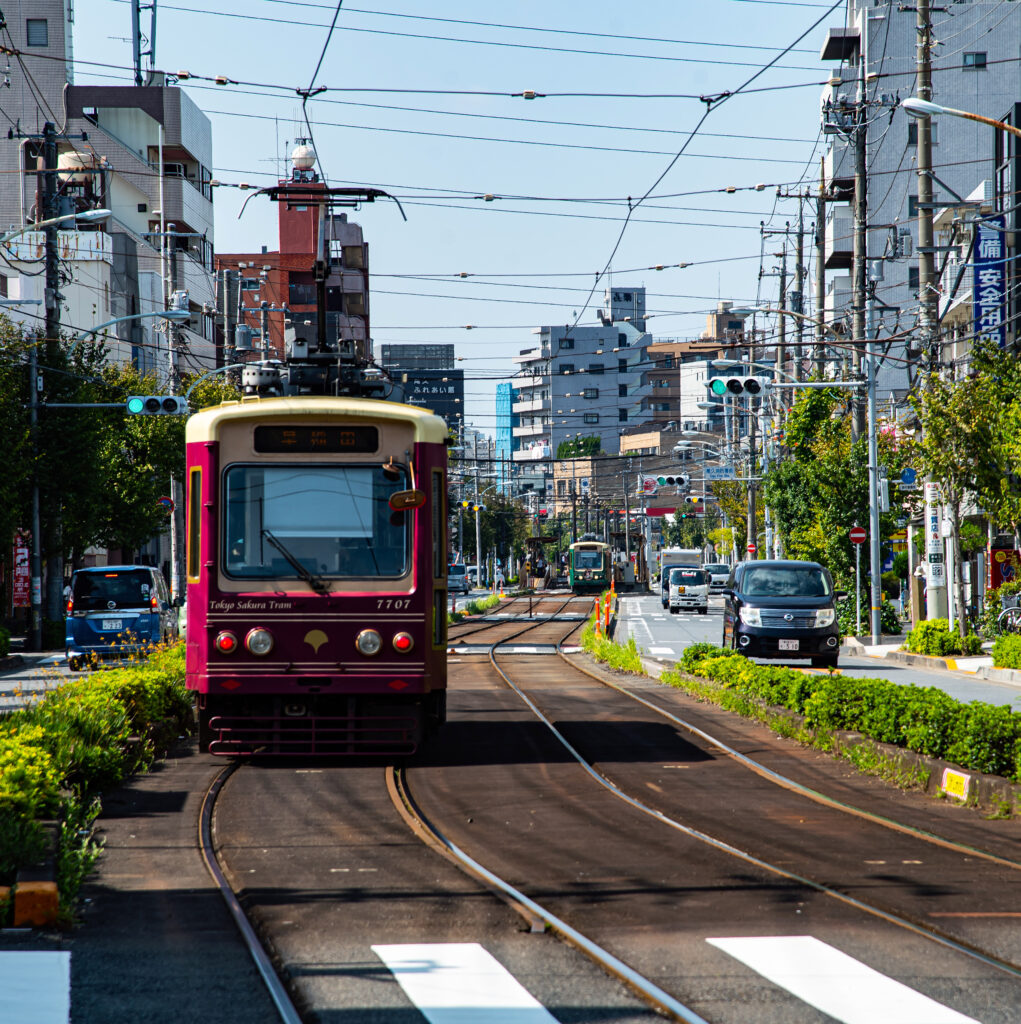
(532, 430)
(839, 237)
(530, 405)
(838, 299)
(838, 169)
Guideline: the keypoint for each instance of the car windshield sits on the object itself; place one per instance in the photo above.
(785, 581)
(103, 591)
(588, 558)
(717, 570)
(692, 576)
(331, 520)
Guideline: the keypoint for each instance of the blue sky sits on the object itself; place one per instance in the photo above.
(535, 256)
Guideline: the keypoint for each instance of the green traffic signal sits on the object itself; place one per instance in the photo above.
(718, 386)
(136, 404)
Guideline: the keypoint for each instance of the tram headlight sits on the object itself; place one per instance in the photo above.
(403, 643)
(226, 642)
(259, 641)
(369, 642)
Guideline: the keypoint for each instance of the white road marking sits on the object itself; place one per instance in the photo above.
(453, 983)
(35, 987)
(835, 983)
(661, 650)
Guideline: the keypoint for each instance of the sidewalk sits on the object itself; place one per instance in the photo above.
(888, 648)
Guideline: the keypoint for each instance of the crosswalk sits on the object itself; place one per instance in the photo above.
(453, 983)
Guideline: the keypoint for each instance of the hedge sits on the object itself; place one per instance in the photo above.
(1007, 651)
(934, 637)
(56, 755)
(976, 736)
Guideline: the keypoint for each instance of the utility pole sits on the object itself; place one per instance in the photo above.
(820, 273)
(781, 346)
(36, 568)
(797, 297)
(860, 272)
(936, 589)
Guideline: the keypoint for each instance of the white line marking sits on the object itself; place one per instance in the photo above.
(661, 650)
(454, 983)
(35, 986)
(835, 983)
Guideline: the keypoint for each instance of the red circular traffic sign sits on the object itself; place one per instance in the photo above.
(858, 535)
(752, 549)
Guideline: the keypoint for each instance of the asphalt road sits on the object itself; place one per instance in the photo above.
(664, 636)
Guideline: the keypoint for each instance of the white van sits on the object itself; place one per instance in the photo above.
(689, 588)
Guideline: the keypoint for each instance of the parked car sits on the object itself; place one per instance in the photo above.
(782, 609)
(689, 588)
(457, 579)
(719, 573)
(115, 611)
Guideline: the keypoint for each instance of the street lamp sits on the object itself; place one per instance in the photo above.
(85, 215)
(926, 108)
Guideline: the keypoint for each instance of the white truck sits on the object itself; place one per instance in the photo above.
(668, 558)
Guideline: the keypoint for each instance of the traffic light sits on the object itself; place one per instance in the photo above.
(691, 499)
(156, 405)
(738, 385)
(682, 480)
(465, 504)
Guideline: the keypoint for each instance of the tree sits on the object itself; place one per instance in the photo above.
(957, 436)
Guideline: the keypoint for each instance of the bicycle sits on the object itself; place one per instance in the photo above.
(1009, 620)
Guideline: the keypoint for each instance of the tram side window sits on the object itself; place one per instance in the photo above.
(334, 521)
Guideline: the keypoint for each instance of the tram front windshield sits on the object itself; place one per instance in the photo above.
(334, 521)
(588, 558)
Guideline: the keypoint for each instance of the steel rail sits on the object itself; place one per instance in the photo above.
(657, 997)
(897, 920)
(276, 988)
(797, 787)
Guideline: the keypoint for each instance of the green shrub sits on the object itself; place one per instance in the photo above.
(5, 642)
(696, 652)
(889, 619)
(1007, 651)
(623, 657)
(976, 736)
(935, 638)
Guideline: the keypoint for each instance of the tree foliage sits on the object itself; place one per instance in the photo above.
(579, 447)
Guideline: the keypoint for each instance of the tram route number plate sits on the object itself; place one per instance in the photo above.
(955, 784)
(112, 623)
(789, 645)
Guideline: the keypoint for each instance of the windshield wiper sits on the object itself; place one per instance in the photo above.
(317, 583)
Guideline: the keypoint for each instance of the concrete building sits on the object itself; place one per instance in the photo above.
(142, 152)
(975, 69)
(506, 421)
(428, 378)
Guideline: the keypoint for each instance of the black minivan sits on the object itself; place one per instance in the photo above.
(114, 611)
(782, 609)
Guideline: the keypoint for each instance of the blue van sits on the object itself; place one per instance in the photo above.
(115, 611)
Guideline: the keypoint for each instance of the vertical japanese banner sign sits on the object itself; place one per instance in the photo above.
(989, 291)
(21, 591)
(933, 537)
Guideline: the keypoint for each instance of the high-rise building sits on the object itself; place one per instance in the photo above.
(428, 378)
(974, 68)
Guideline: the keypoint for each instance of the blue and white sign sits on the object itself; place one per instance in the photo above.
(908, 476)
(989, 291)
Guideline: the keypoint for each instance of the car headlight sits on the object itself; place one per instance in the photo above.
(751, 616)
(825, 617)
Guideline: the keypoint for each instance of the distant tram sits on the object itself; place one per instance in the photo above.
(590, 566)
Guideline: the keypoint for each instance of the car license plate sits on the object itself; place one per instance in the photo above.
(111, 624)
(789, 645)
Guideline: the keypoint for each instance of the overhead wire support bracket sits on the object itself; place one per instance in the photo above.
(716, 98)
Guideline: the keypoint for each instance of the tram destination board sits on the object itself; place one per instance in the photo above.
(305, 439)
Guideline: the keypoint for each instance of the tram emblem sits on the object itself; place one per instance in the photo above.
(315, 638)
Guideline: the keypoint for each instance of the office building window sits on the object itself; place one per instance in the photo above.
(37, 32)
(912, 206)
(975, 61)
(622, 341)
(596, 368)
(668, 362)
(561, 488)
(590, 393)
(913, 131)
(913, 278)
(567, 342)
(622, 366)
(591, 417)
(622, 415)
(567, 367)
(622, 391)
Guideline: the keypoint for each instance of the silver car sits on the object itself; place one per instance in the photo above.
(719, 573)
(457, 579)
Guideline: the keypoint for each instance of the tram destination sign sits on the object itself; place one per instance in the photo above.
(272, 439)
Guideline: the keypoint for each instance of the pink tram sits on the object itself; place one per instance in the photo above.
(317, 567)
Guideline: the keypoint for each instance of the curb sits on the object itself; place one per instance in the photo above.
(922, 660)
(1011, 676)
(11, 661)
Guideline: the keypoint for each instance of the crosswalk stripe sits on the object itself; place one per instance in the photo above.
(835, 983)
(35, 987)
(451, 983)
